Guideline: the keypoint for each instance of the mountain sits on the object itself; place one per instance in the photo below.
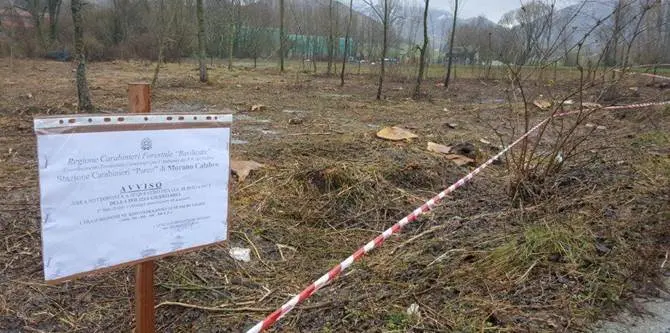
(585, 21)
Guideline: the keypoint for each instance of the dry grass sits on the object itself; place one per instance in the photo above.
(477, 263)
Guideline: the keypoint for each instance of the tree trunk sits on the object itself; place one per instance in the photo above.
(384, 48)
(281, 36)
(489, 60)
(422, 59)
(54, 12)
(231, 46)
(234, 31)
(80, 58)
(161, 41)
(331, 38)
(451, 46)
(158, 64)
(346, 42)
(635, 34)
(611, 59)
(201, 41)
(37, 16)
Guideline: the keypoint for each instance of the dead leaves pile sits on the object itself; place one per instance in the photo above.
(243, 168)
(459, 160)
(396, 133)
(542, 104)
(257, 107)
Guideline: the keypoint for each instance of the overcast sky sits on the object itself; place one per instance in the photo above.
(492, 9)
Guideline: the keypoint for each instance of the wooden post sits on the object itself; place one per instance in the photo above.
(139, 101)
(139, 97)
(145, 316)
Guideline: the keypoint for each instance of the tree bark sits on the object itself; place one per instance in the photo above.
(201, 41)
(384, 48)
(80, 58)
(234, 32)
(451, 46)
(54, 12)
(611, 59)
(422, 59)
(231, 46)
(281, 36)
(35, 9)
(331, 38)
(346, 42)
(161, 41)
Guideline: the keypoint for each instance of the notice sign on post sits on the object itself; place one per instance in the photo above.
(119, 190)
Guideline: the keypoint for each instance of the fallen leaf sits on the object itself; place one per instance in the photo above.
(484, 141)
(413, 310)
(396, 134)
(240, 254)
(544, 105)
(258, 107)
(438, 148)
(243, 168)
(460, 160)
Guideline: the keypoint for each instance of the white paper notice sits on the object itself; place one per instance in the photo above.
(110, 198)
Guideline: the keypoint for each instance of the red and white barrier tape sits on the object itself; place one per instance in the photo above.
(646, 74)
(428, 206)
(655, 76)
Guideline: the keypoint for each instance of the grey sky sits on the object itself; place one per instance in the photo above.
(492, 9)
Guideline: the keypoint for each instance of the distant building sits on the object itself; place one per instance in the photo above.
(462, 55)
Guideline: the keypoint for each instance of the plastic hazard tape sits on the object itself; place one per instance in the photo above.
(655, 76)
(396, 228)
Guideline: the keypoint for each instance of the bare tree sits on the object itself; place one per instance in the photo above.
(282, 38)
(424, 48)
(331, 36)
(645, 7)
(346, 42)
(611, 59)
(80, 57)
(37, 14)
(451, 46)
(530, 24)
(234, 23)
(202, 54)
(53, 6)
(163, 24)
(384, 11)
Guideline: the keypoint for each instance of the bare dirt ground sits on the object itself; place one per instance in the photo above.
(589, 240)
(648, 316)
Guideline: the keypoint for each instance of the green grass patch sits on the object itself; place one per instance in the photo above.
(540, 244)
